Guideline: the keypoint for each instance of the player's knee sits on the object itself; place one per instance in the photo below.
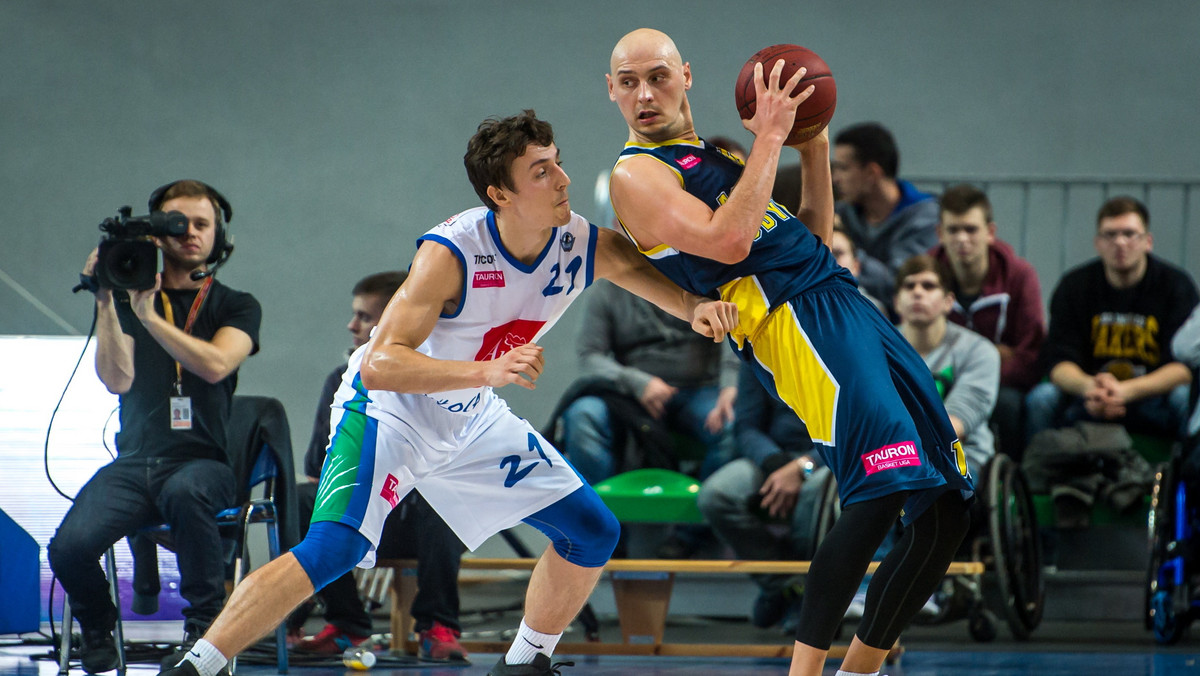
(330, 550)
(582, 530)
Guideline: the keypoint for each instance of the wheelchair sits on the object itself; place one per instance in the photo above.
(1003, 536)
(1172, 600)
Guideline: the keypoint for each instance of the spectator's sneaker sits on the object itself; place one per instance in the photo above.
(294, 636)
(330, 641)
(541, 667)
(771, 606)
(99, 652)
(440, 642)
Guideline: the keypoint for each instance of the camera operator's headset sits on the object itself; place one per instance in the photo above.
(222, 242)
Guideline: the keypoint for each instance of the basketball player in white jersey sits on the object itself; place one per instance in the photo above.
(416, 407)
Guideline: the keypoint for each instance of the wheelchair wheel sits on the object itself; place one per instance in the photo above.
(1016, 548)
(1158, 527)
(1168, 606)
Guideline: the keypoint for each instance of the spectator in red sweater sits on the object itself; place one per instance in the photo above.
(996, 295)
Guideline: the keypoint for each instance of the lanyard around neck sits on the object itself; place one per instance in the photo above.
(169, 314)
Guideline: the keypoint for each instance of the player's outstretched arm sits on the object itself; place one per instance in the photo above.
(392, 362)
(816, 186)
(619, 262)
(650, 201)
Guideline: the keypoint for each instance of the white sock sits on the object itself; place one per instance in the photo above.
(527, 644)
(855, 673)
(207, 659)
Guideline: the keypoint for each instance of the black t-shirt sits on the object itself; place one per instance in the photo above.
(145, 408)
(1126, 332)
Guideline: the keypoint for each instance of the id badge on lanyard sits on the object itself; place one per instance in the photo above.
(181, 406)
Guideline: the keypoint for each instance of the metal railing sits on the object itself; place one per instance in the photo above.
(1051, 220)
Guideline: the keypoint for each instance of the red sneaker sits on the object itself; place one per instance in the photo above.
(440, 642)
(330, 641)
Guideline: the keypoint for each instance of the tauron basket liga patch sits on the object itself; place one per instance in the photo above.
(903, 454)
(487, 278)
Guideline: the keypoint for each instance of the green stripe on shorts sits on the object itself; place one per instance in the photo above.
(339, 477)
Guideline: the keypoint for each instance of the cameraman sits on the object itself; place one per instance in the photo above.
(172, 353)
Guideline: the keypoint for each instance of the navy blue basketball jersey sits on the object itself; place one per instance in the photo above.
(785, 259)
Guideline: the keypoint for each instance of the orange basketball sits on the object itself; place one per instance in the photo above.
(815, 112)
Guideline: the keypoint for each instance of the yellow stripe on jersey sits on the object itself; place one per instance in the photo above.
(801, 379)
(782, 348)
(672, 142)
(748, 296)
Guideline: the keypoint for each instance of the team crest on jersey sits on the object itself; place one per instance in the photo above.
(567, 241)
(487, 278)
(503, 338)
(688, 161)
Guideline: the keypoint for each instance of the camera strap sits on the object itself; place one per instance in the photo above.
(169, 314)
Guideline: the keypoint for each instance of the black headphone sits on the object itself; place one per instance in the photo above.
(222, 243)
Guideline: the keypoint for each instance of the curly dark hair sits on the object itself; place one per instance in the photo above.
(495, 145)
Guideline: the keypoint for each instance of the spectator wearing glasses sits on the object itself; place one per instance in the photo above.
(1111, 323)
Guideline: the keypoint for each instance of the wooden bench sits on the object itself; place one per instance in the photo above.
(642, 590)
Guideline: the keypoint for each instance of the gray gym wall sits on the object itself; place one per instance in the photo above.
(337, 128)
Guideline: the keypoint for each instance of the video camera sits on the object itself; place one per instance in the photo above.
(128, 257)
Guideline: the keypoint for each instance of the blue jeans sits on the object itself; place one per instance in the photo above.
(134, 492)
(588, 437)
(1048, 407)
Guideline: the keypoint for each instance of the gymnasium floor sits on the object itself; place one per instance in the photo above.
(1057, 648)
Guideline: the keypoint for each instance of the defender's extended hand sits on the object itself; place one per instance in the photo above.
(714, 319)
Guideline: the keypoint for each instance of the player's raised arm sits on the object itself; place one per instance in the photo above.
(434, 284)
(619, 262)
(816, 186)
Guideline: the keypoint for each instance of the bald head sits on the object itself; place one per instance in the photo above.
(644, 44)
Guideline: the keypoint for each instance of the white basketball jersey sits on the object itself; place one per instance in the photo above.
(505, 303)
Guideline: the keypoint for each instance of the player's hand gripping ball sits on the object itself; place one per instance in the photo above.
(814, 113)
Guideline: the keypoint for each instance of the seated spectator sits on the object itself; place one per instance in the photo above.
(965, 365)
(763, 485)
(172, 354)
(412, 530)
(997, 295)
(846, 255)
(888, 219)
(1111, 321)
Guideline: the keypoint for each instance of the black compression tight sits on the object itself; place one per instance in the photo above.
(905, 579)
